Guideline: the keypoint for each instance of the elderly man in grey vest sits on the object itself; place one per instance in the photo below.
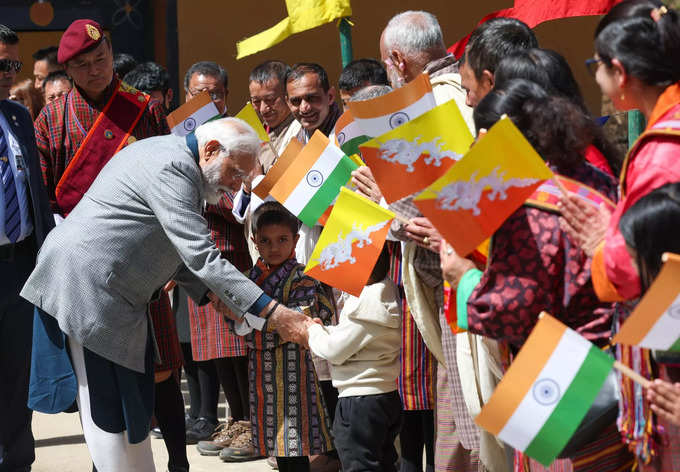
(138, 226)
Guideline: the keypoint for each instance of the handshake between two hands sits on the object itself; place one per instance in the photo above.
(291, 325)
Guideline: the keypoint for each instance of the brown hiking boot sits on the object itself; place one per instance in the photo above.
(221, 438)
(241, 448)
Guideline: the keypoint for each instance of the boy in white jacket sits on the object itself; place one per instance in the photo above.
(363, 350)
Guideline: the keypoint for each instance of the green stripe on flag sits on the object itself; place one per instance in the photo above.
(329, 189)
(675, 347)
(572, 408)
(352, 146)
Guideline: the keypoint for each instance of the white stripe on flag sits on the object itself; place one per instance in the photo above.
(303, 192)
(560, 370)
(380, 125)
(200, 116)
(350, 131)
(666, 330)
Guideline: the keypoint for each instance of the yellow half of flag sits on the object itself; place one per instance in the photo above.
(484, 188)
(350, 243)
(302, 15)
(249, 115)
(415, 154)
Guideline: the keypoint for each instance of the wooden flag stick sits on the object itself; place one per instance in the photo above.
(631, 374)
(401, 219)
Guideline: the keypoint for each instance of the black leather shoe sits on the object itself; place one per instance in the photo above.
(156, 432)
(201, 431)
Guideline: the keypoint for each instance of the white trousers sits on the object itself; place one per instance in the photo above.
(111, 452)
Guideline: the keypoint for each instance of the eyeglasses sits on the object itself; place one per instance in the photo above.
(269, 101)
(213, 95)
(7, 65)
(592, 64)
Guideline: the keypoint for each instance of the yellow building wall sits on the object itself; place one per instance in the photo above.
(209, 30)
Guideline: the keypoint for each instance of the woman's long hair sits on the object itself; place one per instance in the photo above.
(557, 128)
(650, 228)
(551, 71)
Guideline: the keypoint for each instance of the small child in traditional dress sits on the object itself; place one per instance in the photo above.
(287, 409)
(363, 350)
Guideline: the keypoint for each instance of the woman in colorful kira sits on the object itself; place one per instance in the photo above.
(533, 264)
(637, 65)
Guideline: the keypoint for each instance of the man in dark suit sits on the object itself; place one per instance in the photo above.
(25, 219)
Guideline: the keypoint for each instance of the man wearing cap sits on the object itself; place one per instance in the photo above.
(25, 219)
(78, 133)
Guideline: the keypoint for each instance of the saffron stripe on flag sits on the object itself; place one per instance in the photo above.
(530, 361)
(327, 192)
(555, 377)
(665, 332)
(378, 125)
(394, 101)
(653, 306)
(325, 164)
(188, 109)
(303, 163)
(565, 419)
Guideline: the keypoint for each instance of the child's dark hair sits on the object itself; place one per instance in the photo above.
(647, 228)
(273, 213)
(381, 267)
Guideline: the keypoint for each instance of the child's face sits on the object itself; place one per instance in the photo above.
(275, 243)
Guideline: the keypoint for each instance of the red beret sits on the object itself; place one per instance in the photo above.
(78, 38)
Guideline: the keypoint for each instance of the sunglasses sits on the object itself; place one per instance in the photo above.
(7, 65)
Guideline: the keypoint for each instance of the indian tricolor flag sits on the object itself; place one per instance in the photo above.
(311, 183)
(382, 114)
(350, 243)
(547, 391)
(348, 134)
(655, 322)
(192, 114)
(284, 161)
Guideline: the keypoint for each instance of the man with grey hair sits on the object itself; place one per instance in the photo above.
(138, 226)
(208, 76)
(411, 44)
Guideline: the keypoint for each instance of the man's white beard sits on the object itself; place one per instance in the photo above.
(212, 174)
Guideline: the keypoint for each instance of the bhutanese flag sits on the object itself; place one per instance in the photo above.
(382, 114)
(348, 134)
(277, 170)
(313, 180)
(547, 391)
(192, 114)
(409, 158)
(655, 322)
(249, 115)
(484, 188)
(350, 243)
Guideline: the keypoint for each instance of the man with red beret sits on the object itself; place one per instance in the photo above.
(77, 134)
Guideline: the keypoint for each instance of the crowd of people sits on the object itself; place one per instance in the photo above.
(130, 256)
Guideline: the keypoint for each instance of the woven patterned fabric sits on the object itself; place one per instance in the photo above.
(416, 380)
(58, 134)
(210, 334)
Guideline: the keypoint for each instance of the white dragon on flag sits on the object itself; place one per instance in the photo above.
(404, 152)
(340, 252)
(466, 195)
